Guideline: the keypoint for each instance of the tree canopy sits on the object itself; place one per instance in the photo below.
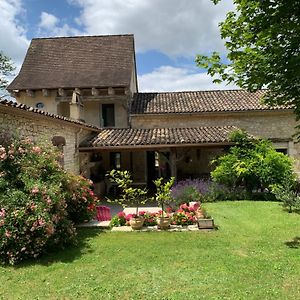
(6, 68)
(262, 39)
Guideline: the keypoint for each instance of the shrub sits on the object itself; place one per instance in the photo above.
(33, 201)
(287, 194)
(252, 164)
(81, 200)
(190, 190)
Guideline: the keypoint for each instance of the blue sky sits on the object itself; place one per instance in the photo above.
(168, 33)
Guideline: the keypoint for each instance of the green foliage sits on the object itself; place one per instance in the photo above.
(129, 195)
(262, 40)
(287, 194)
(6, 68)
(253, 164)
(34, 203)
(163, 192)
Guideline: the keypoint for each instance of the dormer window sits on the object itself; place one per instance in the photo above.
(108, 115)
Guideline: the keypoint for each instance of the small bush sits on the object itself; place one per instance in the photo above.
(288, 195)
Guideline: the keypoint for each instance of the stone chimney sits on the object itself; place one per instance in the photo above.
(76, 106)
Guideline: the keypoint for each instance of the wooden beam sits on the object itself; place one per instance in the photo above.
(95, 92)
(45, 92)
(110, 91)
(30, 93)
(61, 92)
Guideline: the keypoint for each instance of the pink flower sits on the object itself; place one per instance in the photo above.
(2, 213)
(36, 149)
(7, 233)
(141, 213)
(35, 190)
(121, 214)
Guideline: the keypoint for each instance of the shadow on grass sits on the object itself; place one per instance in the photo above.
(294, 244)
(69, 253)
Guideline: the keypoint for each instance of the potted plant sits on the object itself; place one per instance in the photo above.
(163, 196)
(129, 195)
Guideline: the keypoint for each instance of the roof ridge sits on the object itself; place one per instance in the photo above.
(82, 36)
(177, 92)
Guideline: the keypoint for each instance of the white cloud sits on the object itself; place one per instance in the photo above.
(48, 21)
(50, 26)
(174, 27)
(168, 79)
(13, 40)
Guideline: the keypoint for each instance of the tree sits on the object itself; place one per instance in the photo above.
(262, 38)
(6, 68)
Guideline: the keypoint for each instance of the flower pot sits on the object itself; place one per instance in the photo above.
(136, 223)
(163, 222)
(206, 223)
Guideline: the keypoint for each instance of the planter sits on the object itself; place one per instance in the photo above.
(205, 223)
(163, 222)
(136, 223)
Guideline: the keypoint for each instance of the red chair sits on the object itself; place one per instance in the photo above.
(103, 213)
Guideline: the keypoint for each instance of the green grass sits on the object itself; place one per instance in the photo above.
(251, 256)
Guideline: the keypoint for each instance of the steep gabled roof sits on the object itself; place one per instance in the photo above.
(199, 102)
(85, 61)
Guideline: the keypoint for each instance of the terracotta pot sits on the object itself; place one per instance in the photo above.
(136, 223)
(163, 222)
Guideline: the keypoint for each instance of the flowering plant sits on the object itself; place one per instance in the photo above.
(34, 214)
(185, 215)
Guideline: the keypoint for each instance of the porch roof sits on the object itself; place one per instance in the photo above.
(126, 138)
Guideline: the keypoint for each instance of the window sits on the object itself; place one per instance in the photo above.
(108, 115)
(282, 150)
(115, 160)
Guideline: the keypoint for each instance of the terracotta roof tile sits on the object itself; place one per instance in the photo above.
(200, 101)
(83, 61)
(23, 107)
(130, 137)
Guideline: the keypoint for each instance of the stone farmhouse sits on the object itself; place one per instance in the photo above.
(82, 94)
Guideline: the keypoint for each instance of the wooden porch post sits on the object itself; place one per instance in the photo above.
(173, 163)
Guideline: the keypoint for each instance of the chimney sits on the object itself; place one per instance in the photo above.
(76, 106)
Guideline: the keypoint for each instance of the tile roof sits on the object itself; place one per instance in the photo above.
(23, 107)
(200, 101)
(130, 137)
(82, 61)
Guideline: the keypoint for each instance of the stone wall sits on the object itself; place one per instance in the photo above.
(39, 127)
(267, 124)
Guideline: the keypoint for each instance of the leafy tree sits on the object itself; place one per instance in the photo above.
(253, 164)
(262, 39)
(6, 69)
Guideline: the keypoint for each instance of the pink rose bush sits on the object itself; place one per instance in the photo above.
(39, 201)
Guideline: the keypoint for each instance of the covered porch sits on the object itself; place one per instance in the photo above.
(151, 153)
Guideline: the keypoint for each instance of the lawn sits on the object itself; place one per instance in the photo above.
(251, 256)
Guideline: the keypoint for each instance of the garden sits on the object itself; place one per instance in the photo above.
(252, 252)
